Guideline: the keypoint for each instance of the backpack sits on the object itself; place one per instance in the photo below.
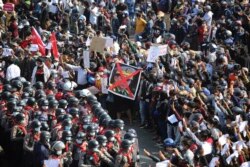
(165, 5)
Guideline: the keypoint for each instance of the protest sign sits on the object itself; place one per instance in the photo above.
(86, 60)
(7, 52)
(124, 80)
(155, 51)
(9, 7)
(104, 82)
(97, 44)
(109, 42)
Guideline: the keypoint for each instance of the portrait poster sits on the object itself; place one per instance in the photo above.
(124, 81)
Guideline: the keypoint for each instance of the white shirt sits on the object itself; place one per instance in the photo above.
(208, 18)
(93, 16)
(81, 74)
(12, 72)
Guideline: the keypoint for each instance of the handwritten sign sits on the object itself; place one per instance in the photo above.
(97, 44)
(7, 52)
(86, 60)
(155, 51)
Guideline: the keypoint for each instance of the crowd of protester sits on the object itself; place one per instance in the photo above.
(195, 99)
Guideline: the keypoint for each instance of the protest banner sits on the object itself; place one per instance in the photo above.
(97, 44)
(155, 51)
(109, 42)
(86, 60)
(9, 7)
(124, 80)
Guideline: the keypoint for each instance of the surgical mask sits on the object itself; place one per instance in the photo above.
(68, 138)
(37, 129)
(133, 140)
(67, 127)
(78, 141)
(122, 128)
(104, 144)
(56, 64)
(59, 152)
(92, 133)
(45, 107)
(112, 139)
(95, 149)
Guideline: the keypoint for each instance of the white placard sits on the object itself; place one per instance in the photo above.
(162, 164)
(172, 119)
(223, 139)
(153, 54)
(33, 48)
(109, 42)
(7, 52)
(86, 60)
(213, 162)
(88, 42)
(242, 126)
(51, 163)
(104, 82)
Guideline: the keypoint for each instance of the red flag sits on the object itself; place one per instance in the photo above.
(54, 46)
(36, 39)
(25, 43)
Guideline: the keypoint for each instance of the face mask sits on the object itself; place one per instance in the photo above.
(133, 140)
(56, 64)
(59, 152)
(45, 107)
(95, 149)
(112, 139)
(67, 127)
(122, 128)
(37, 129)
(68, 138)
(92, 134)
(104, 144)
(47, 140)
(78, 141)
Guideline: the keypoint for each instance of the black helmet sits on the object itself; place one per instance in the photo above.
(67, 135)
(60, 111)
(81, 135)
(93, 144)
(35, 124)
(91, 130)
(17, 84)
(119, 123)
(20, 117)
(37, 114)
(105, 122)
(97, 111)
(81, 93)
(45, 137)
(7, 87)
(74, 111)
(5, 95)
(51, 85)
(111, 124)
(126, 144)
(31, 101)
(44, 126)
(68, 116)
(11, 103)
(51, 97)
(60, 118)
(132, 131)
(53, 103)
(39, 85)
(96, 104)
(21, 103)
(73, 101)
(29, 90)
(67, 122)
(63, 103)
(101, 139)
(110, 135)
(39, 94)
(101, 113)
(25, 95)
(91, 99)
(86, 120)
(129, 136)
(26, 84)
(57, 147)
(43, 102)
(104, 116)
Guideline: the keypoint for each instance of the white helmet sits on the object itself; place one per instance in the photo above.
(86, 92)
(228, 33)
(69, 86)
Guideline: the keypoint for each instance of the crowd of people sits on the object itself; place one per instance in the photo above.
(195, 98)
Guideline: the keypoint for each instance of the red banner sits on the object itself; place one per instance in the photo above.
(36, 39)
(54, 46)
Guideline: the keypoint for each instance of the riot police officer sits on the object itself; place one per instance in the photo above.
(124, 156)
